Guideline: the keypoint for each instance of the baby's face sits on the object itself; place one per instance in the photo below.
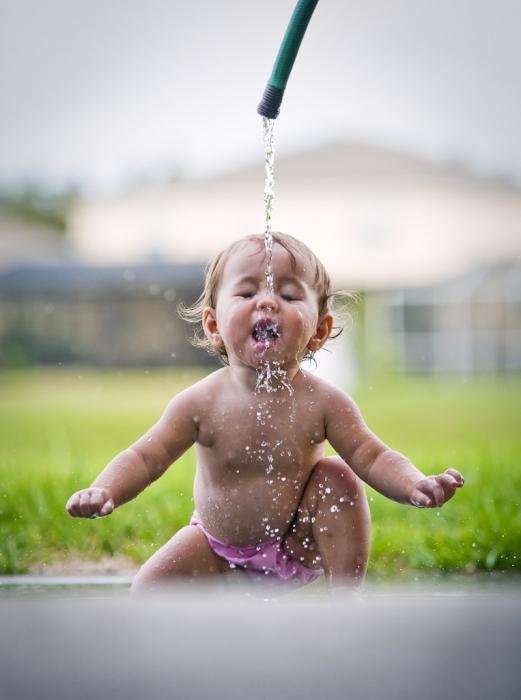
(256, 326)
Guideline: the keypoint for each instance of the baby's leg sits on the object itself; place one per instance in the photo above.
(186, 556)
(332, 528)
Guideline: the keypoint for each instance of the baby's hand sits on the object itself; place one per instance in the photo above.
(90, 503)
(434, 491)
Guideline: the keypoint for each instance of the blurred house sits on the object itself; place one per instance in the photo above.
(55, 309)
(378, 219)
(25, 242)
(435, 250)
(468, 324)
(103, 316)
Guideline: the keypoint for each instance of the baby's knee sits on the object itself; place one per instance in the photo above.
(332, 476)
(142, 582)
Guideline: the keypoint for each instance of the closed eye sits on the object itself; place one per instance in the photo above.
(290, 292)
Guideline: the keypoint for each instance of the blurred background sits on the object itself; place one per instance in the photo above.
(131, 152)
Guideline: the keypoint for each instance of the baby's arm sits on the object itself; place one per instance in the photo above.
(143, 462)
(386, 470)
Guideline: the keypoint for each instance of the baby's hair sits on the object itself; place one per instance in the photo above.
(213, 276)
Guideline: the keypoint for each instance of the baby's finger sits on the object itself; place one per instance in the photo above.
(449, 484)
(98, 497)
(107, 507)
(420, 500)
(432, 490)
(438, 494)
(85, 505)
(456, 475)
(72, 505)
(446, 480)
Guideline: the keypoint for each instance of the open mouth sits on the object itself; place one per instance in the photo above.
(265, 332)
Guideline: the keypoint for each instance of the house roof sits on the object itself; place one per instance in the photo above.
(64, 280)
(376, 218)
(488, 285)
(358, 161)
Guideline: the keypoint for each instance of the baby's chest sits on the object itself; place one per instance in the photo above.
(263, 431)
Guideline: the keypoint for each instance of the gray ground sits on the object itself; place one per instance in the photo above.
(208, 643)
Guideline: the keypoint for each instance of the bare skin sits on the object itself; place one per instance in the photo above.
(261, 471)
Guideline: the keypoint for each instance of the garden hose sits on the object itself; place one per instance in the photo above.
(270, 104)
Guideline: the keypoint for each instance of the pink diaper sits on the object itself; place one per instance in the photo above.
(267, 558)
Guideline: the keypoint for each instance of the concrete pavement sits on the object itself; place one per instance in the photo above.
(198, 643)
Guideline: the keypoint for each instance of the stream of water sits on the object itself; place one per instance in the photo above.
(270, 375)
(269, 195)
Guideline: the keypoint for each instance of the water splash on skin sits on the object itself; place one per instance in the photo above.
(271, 377)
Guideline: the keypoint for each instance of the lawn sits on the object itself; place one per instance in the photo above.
(59, 428)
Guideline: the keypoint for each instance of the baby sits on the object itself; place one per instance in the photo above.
(268, 503)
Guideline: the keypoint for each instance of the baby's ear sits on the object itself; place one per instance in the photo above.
(210, 327)
(321, 333)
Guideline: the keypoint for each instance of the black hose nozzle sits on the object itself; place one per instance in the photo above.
(272, 97)
(269, 106)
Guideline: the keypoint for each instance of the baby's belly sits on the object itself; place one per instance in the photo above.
(250, 512)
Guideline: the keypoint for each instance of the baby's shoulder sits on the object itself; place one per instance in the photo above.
(329, 396)
(208, 387)
(212, 381)
(197, 395)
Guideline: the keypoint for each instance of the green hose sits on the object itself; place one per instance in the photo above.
(272, 97)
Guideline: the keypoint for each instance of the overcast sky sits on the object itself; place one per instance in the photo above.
(101, 91)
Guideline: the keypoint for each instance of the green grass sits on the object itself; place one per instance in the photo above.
(474, 427)
(59, 428)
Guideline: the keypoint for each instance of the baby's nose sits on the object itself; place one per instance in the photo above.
(267, 300)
